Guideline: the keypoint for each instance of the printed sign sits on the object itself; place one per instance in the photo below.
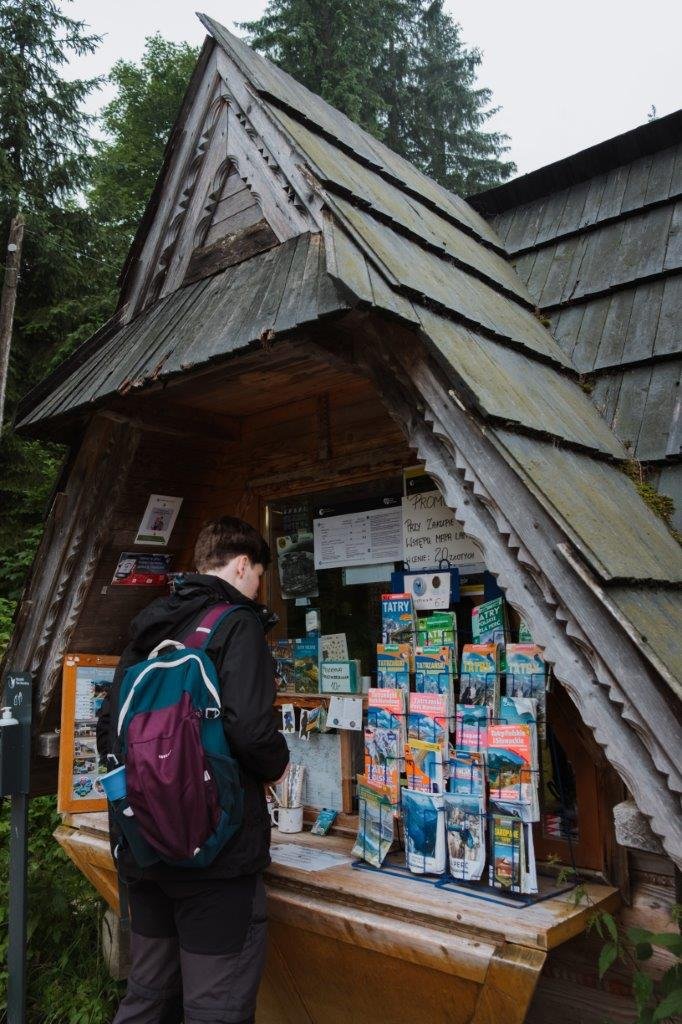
(351, 535)
(18, 687)
(430, 590)
(146, 569)
(432, 538)
(158, 520)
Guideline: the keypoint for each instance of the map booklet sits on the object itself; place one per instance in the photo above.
(375, 824)
(429, 719)
(283, 655)
(467, 774)
(398, 620)
(306, 669)
(507, 860)
(489, 625)
(394, 664)
(433, 671)
(480, 675)
(383, 760)
(465, 821)
(521, 711)
(386, 710)
(438, 630)
(424, 766)
(526, 677)
(471, 727)
(522, 844)
(385, 736)
(512, 768)
(424, 832)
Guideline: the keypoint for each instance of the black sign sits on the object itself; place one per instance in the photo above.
(18, 693)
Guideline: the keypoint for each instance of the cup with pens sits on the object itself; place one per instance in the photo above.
(286, 808)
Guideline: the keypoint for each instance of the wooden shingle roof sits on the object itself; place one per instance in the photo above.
(597, 239)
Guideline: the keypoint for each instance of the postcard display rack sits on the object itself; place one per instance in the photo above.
(453, 734)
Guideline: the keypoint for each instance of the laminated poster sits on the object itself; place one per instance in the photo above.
(141, 569)
(296, 565)
(158, 520)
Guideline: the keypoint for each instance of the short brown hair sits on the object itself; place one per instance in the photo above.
(222, 539)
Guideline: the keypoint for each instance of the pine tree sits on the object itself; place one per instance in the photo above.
(44, 164)
(402, 71)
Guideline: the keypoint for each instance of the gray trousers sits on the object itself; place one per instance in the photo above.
(168, 980)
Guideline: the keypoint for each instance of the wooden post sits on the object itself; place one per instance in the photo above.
(7, 302)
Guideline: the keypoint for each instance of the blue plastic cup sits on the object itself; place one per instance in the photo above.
(114, 783)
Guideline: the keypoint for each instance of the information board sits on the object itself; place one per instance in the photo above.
(85, 683)
(321, 754)
(347, 535)
(432, 538)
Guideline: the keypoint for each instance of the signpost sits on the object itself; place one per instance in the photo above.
(15, 754)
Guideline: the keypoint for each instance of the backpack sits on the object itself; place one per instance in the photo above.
(184, 798)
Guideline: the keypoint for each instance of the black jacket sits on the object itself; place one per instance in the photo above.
(246, 672)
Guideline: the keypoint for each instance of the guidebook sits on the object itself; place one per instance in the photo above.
(424, 832)
(526, 677)
(438, 630)
(512, 768)
(398, 620)
(283, 655)
(383, 760)
(471, 727)
(424, 766)
(375, 824)
(394, 664)
(429, 719)
(480, 675)
(489, 622)
(306, 669)
(467, 774)
(433, 671)
(386, 710)
(507, 859)
(465, 833)
(515, 832)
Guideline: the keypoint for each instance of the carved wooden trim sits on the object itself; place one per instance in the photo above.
(75, 532)
(592, 657)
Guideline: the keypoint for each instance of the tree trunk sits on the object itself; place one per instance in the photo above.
(7, 303)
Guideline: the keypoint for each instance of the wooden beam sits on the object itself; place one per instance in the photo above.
(75, 531)
(230, 250)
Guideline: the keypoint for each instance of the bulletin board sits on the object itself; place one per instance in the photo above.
(86, 680)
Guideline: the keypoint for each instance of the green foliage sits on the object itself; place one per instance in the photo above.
(68, 982)
(654, 1000)
(401, 70)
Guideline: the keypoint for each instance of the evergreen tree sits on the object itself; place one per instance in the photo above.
(402, 71)
(44, 164)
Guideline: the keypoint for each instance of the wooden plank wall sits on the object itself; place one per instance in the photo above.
(288, 449)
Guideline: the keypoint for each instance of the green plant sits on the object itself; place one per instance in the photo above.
(655, 1001)
(68, 982)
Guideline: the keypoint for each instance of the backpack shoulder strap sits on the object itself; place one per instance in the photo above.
(202, 634)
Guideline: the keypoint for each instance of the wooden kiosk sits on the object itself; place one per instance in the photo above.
(303, 315)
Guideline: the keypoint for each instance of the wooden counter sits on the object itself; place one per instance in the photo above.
(363, 947)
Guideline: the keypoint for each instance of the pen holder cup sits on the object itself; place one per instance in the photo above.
(114, 783)
(287, 819)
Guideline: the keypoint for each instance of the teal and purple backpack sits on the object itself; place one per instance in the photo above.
(184, 797)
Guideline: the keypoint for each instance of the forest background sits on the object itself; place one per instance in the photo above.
(398, 67)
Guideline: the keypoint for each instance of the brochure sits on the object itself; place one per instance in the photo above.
(423, 815)
(429, 719)
(375, 824)
(465, 821)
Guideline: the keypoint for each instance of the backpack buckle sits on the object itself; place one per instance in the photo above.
(212, 713)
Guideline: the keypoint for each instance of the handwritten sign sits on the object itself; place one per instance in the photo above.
(432, 538)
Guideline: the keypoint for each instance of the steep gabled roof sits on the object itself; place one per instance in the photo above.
(597, 238)
(390, 241)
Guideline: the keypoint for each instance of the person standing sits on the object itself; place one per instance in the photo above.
(198, 935)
